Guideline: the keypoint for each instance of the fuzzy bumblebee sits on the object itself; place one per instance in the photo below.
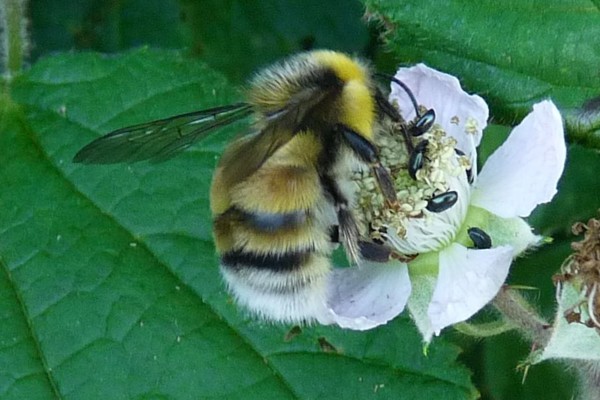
(281, 196)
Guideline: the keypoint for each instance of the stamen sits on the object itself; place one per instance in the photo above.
(471, 126)
(422, 180)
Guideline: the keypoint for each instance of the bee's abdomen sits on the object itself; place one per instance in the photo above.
(289, 261)
(271, 230)
(279, 243)
(275, 265)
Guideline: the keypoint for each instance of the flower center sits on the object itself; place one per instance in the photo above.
(431, 183)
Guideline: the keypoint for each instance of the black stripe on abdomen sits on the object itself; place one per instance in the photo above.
(288, 261)
(271, 222)
(267, 222)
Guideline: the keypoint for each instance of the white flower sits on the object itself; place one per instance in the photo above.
(450, 280)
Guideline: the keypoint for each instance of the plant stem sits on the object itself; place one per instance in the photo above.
(14, 38)
(484, 329)
(519, 313)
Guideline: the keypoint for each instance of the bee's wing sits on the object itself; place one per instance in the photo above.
(247, 155)
(161, 139)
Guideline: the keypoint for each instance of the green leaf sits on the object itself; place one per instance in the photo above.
(104, 25)
(238, 36)
(513, 53)
(109, 285)
(233, 36)
(496, 374)
(576, 199)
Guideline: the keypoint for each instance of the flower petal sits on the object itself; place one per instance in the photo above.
(524, 171)
(468, 280)
(456, 111)
(363, 298)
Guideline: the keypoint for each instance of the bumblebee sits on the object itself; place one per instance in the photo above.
(281, 197)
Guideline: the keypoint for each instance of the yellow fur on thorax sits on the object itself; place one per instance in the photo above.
(286, 182)
(357, 107)
(345, 67)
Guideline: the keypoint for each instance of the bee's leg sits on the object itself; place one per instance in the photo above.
(369, 153)
(388, 109)
(348, 232)
(371, 251)
(334, 234)
(378, 252)
(375, 252)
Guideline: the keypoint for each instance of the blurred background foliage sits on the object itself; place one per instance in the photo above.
(469, 40)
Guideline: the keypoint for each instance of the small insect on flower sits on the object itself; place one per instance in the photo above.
(480, 239)
(278, 198)
(442, 202)
(449, 272)
(417, 158)
(423, 124)
(433, 166)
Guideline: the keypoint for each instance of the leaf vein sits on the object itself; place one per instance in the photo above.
(144, 246)
(36, 342)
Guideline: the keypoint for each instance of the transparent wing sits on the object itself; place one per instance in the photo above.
(246, 156)
(161, 139)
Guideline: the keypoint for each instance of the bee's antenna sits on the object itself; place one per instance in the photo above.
(409, 92)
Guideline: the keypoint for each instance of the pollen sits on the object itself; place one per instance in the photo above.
(441, 164)
(471, 126)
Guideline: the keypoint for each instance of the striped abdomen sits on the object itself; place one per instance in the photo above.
(272, 232)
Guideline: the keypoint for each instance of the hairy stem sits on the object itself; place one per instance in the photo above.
(519, 313)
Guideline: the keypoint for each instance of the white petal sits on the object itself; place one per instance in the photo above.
(467, 281)
(454, 108)
(524, 171)
(369, 296)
